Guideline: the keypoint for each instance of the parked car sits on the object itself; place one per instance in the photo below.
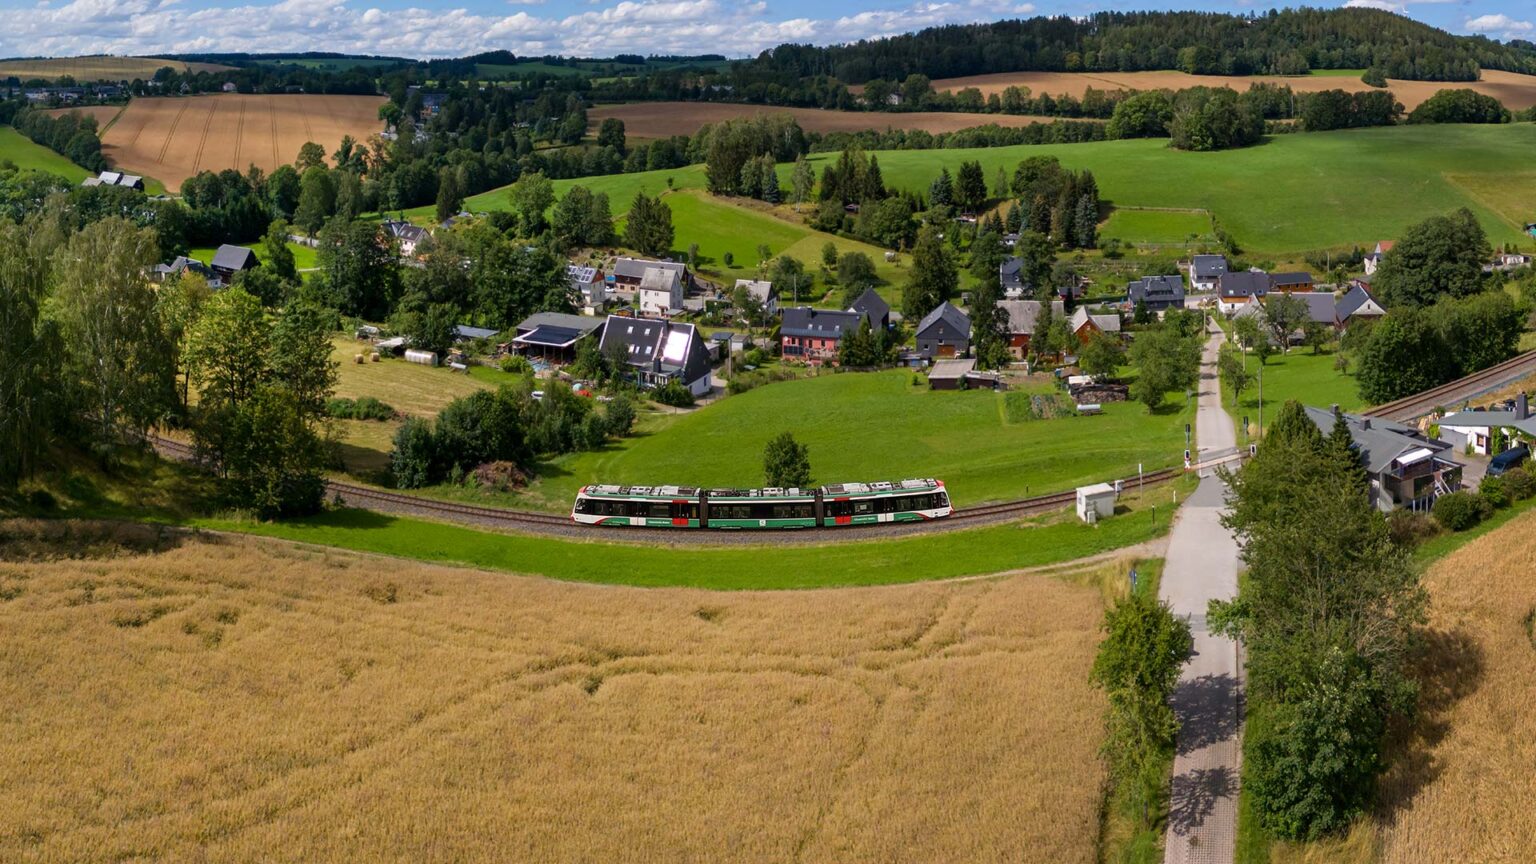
(1510, 458)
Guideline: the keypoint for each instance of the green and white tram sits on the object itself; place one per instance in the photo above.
(823, 507)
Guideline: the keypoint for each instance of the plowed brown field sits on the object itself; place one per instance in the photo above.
(1514, 90)
(664, 119)
(173, 139)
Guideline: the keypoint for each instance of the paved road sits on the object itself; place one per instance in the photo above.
(1201, 566)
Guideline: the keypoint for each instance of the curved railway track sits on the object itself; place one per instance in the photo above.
(525, 521)
(1476, 384)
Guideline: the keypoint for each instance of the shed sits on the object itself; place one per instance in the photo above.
(950, 374)
(1096, 502)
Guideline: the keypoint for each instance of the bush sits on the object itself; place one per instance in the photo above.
(516, 364)
(42, 499)
(414, 458)
(674, 393)
(758, 377)
(1493, 493)
(1408, 529)
(1458, 511)
(365, 408)
(1518, 484)
(620, 415)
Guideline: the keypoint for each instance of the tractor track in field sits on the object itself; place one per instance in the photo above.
(272, 121)
(202, 142)
(529, 522)
(239, 136)
(170, 135)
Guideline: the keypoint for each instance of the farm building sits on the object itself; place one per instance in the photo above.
(231, 260)
(944, 332)
(763, 292)
(872, 306)
(1488, 432)
(1086, 324)
(1237, 289)
(1205, 272)
(554, 336)
(1290, 282)
(813, 335)
(1405, 467)
(1157, 292)
(115, 178)
(659, 351)
(1507, 261)
(406, 235)
(466, 333)
(167, 272)
(950, 374)
(1022, 318)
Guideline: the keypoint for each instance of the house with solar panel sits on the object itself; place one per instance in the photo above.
(554, 337)
(658, 352)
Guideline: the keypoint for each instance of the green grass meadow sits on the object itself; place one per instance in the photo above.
(1160, 227)
(18, 148)
(1310, 379)
(303, 256)
(876, 426)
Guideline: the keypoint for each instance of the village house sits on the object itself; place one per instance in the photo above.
(1085, 324)
(1405, 467)
(814, 335)
(1023, 316)
(658, 352)
(173, 270)
(406, 236)
(1373, 260)
(872, 306)
(1205, 272)
(1357, 304)
(1156, 292)
(945, 332)
(1507, 261)
(1290, 283)
(762, 291)
(660, 292)
(115, 178)
(229, 261)
(1487, 432)
(587, 283)
(555, 337)
(1237, 289)
(626, 274)
(1008, 273)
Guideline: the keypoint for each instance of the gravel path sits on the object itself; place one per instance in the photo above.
(1201, 566)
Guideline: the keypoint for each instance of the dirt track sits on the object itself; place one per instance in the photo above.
(664, 119)
(173, 139)
(1514, 90)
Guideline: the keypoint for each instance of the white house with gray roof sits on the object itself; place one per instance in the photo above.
(1477, 430)
(1205, 272)
(1405, 467)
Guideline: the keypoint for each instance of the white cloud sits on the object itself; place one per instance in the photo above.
(1376, 4)
(1499, 25)
(728, 27)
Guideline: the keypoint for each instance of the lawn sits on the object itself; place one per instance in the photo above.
(19, 149)
(1301, 375)
(304, 257)
(877, 426)
(1157, 227)
(1044, 540)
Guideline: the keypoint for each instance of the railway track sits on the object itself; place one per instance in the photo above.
(525, 521)
(1476, 384)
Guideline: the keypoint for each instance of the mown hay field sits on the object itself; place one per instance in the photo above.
(664, 119)
(1461, 787)
(235, 699)
(99, 68)
(172, 139)
(1516, 91)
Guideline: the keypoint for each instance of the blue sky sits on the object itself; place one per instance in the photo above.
(444, 28)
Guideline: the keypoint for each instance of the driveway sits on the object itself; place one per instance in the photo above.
(1201, 566)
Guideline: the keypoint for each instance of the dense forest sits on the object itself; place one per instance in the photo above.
(1281, 42)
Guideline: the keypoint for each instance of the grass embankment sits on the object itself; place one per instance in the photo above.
(485, 717)
(21, 150)
(1050, 539)
(1355, 186)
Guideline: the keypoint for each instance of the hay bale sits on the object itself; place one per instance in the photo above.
(374, 358)
(358, 359)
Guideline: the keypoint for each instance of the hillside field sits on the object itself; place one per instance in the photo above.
(223, 697)
(646, 120)
(19, 149)
(104, 114)
(99, 68)
(1516, 91)
(174, 138)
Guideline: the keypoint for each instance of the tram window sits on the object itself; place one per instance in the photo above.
(685, 510)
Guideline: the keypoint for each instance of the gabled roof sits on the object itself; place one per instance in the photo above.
(1322, 306)
(405, 231)
(234, 258)
(872, 304)
(658, 346)
(1281, 280)
(580, 274)
(584, 323)
(808, 323)
(1244, 283)
(1022, 314)
(1357, 301)
(1378, 441)
(634, 268)
(1208, 266)
(759, 288)
(1105, 323)
(947, 313)
(660, 279)
(1490, 420)
(1163, 288)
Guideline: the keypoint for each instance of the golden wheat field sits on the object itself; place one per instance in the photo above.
(99, 68)
(104, 114)
(172, 139)
(1464, 788)
(1516, 91)
(221, 699)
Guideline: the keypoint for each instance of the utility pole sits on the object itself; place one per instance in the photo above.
(1261, 400)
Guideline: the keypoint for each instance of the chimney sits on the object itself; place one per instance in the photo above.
(1522, 406)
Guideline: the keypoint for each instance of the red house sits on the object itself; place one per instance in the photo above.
(813, 335)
